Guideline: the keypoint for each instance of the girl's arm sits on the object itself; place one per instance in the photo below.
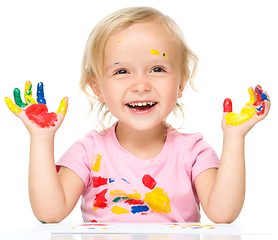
(52, 195)
(222, 191)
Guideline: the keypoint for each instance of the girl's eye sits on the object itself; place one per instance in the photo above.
(121, 71)
(158, 69)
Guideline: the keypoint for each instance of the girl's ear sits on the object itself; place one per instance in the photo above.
(183, 83)
(97, 90)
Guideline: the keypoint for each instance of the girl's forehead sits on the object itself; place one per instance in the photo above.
(142, 31)
(146, 36)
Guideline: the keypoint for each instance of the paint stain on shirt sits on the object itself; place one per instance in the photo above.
(148, 181)
(119, 210)
(99, 181)
(100, 201)
(95, 164)
(158, 201)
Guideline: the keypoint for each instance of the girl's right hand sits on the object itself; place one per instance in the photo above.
(35, 115)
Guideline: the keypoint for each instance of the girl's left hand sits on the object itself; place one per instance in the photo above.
(238, 125)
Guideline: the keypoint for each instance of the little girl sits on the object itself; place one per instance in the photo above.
(137, 64)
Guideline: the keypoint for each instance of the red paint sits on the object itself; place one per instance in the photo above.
(39, 114)
(134, 202)
(93, 220)
(100, 200)
(95, 224)
(263, 110)
(258, 88)
(148, 181)
(227, 105)
(99, 181)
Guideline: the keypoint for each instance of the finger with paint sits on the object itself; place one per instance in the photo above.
(28, 93)
(36, 112)
(12, 106)
(63, 106)
(227, 105)
(40, 93)
(256, 106)
(17, 98)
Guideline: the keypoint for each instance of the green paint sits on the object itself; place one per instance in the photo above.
(29, 92)
(42, 222)
(17, 98)
(116, 199)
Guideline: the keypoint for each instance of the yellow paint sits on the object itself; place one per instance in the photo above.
(158, 201)
(245, 115)
(121, 193)
(165, 55)
(192, 225)
(154, 52)
(11, 105)
(73, 228)
(119, 210)
(28, 93)
(252, 97)
(95, 164)
(63, 107)
(119, 41)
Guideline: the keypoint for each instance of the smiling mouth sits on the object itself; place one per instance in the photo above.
(141, 106)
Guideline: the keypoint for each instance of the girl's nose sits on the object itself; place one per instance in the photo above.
(141, 85)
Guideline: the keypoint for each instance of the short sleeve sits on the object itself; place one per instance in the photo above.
(203, 157)
(76, 158)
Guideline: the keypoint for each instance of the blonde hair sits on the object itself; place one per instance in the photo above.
(92, 68)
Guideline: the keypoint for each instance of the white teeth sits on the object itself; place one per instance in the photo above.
(141, 104)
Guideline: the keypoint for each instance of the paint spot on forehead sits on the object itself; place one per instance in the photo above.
(154, 52)
(119, 41)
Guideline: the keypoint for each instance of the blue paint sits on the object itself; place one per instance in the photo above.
(260, 108)
(197, 227)
(40, 93)
(111, 180)
(138, 209)
(264, 97)
(125, 180)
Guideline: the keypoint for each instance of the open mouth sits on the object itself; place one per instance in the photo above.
(141, 106)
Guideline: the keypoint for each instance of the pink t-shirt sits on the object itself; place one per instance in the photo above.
(120, 187)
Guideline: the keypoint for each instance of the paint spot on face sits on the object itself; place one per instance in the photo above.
(38, 113)
(119, 41)
(158, 201)
(95, 164)
(99, 181)
(154, 52)
(115, 64)
(119, 210)
(148, 181)
(139, 209)
(100, 201)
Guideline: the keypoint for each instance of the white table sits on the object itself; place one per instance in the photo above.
(143, 231)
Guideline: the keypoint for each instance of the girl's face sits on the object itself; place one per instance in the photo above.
(142, 75)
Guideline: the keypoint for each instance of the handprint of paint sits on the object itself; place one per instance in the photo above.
(256, 106)
(36, 111)
(157, 199)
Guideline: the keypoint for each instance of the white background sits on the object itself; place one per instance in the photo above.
(236, 42)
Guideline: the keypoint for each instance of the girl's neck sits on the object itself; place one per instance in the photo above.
(142, 144)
